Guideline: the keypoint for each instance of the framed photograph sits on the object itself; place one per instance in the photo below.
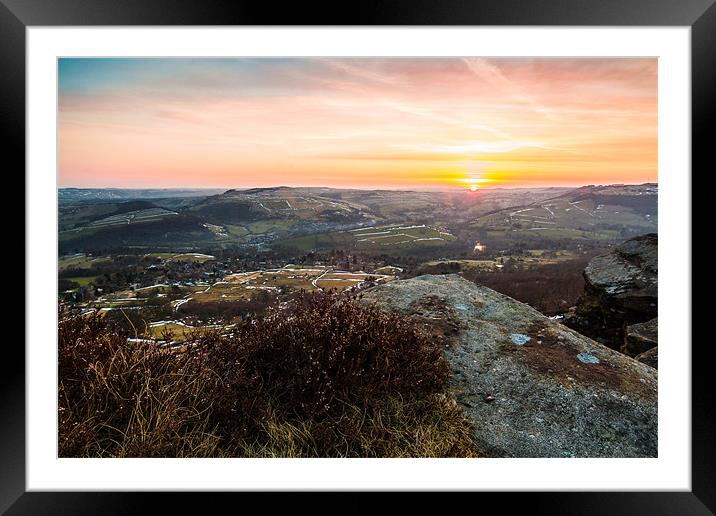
(414, 249)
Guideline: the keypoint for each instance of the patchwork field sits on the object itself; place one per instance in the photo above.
(233, 287)
(132, 217)
(396, 235)
(383, 238)
(281, 281)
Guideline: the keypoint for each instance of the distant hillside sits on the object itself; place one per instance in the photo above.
(327, 218)
(141, 228)
(234, 217)
(82, 195)
(74, 216)
(284, 204)
(607, 213)
(454, 206)
(639, 198)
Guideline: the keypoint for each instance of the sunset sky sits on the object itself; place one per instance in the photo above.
(434, 123)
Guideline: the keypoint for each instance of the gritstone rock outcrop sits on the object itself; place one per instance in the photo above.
(531, 386)
(620, 290)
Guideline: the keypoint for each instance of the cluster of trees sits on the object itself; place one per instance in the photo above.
(549, 288)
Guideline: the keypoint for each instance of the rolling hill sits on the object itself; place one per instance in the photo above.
(591, 213)
(324, 218)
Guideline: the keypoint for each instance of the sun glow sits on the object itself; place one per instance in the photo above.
(474, 181)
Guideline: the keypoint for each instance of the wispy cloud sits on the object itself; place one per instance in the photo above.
(493, 75)
(371, 121)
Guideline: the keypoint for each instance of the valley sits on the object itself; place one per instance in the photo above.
(173, 267)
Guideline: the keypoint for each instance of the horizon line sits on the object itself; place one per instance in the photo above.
(406, 188)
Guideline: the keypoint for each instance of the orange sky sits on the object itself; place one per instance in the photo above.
(367, 123)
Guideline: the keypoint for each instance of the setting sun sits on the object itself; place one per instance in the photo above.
(473, 188)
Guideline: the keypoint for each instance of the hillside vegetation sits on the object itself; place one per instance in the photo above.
(324, 377)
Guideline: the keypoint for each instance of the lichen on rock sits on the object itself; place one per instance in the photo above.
(537, 399)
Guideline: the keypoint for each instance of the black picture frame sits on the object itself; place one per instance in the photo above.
(699, 15)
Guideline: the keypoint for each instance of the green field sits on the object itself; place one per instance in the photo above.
(237, 231)
(269, 225)
(320, 241)
(83, 281)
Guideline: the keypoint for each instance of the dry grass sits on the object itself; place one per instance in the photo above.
(122, 400)
(325, 378)
(433, 427)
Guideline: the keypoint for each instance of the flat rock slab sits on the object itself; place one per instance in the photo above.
(532, 387)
